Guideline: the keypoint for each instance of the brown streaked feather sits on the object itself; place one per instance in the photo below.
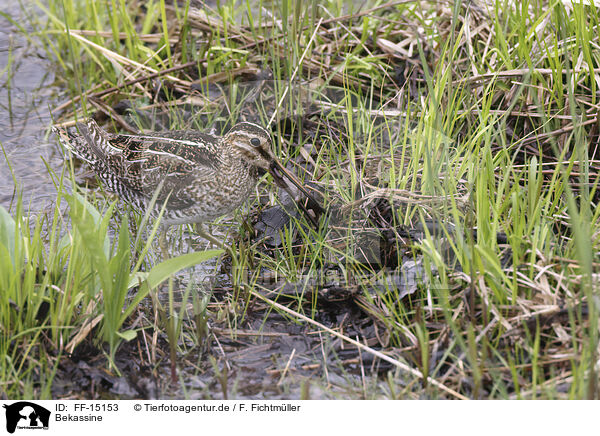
(195, 147)
(170, 158)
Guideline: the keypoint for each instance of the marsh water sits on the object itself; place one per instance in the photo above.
(27, 95)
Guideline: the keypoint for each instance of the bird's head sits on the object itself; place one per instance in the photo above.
(253, 144)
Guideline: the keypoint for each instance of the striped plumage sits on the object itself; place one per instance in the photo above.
(203, 176)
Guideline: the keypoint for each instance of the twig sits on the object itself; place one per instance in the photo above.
(287, 366)
(518, 73)
(111, 54)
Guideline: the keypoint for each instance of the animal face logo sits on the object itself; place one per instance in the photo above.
(24, 414)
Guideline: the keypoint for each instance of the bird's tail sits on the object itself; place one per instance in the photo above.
(86, 141)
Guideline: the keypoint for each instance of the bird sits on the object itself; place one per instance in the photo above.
(200, 176)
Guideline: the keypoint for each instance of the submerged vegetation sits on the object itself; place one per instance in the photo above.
(453, 145)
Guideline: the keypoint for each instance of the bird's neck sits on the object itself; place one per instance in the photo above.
(232, 162)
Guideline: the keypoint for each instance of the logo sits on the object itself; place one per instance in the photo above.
(26, 415)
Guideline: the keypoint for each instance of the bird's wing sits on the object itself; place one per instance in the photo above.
(173, 162)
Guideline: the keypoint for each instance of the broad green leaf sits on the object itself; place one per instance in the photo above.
(137, 279)
(8, 236)
(165, 269)
(128, 335)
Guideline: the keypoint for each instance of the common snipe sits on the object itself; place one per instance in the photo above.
(203, 176)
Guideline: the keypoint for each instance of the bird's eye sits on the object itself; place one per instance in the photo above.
(255, 142)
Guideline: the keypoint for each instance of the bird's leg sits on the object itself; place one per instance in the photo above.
(210, 238)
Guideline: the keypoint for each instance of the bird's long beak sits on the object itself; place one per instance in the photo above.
(278, 171)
